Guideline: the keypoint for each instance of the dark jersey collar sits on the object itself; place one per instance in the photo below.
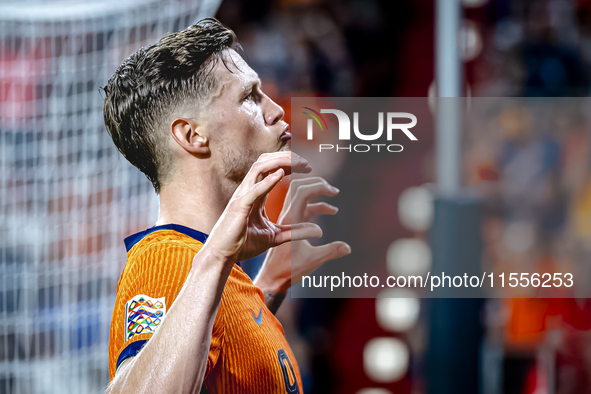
(135, 238)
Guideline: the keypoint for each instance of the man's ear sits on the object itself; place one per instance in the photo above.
(188, 134)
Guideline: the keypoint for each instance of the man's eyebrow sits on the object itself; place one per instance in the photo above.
(252, 84)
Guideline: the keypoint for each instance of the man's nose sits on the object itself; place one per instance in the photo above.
(272, 111)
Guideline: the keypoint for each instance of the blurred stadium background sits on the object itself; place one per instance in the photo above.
(68, 199)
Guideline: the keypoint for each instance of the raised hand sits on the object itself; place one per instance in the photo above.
(286, 264)
(244, 231)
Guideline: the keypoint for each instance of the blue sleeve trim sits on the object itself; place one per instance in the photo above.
(132, 350)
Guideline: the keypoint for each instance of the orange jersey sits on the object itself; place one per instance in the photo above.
(248, 351)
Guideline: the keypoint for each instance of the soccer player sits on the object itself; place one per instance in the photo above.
(192, 116)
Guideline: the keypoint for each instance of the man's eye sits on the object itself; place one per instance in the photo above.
(251, 96)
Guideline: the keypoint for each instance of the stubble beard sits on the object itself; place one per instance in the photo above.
(238, 163)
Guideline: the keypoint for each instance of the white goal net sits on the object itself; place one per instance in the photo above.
(67, 197)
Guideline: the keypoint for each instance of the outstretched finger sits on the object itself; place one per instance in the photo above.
(308, 180)
(319, 208)
(310, 189)
(270, 163)
(296, 183)
(331, 251)
(300, 198)
(263, 187)
(297, 232)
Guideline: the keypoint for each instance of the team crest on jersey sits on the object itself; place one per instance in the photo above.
(143, 315)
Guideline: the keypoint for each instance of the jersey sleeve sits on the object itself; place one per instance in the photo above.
(147, 288)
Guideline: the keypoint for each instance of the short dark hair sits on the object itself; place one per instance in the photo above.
(153, 83)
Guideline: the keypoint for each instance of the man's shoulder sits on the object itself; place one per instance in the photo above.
(161, 250)
(163, 240)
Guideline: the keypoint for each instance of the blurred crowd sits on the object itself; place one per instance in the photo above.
(529, 161)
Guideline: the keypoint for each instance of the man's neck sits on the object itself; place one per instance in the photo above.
(197, 204)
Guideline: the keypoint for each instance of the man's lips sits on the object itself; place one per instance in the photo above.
(286, 135)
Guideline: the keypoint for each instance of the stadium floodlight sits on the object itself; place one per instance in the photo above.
(374, 390)
(397, 310)
(66, 195)
(409, 256)
(415, 208)
(385, 359)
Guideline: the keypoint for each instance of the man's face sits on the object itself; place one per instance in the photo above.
(241, 121)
